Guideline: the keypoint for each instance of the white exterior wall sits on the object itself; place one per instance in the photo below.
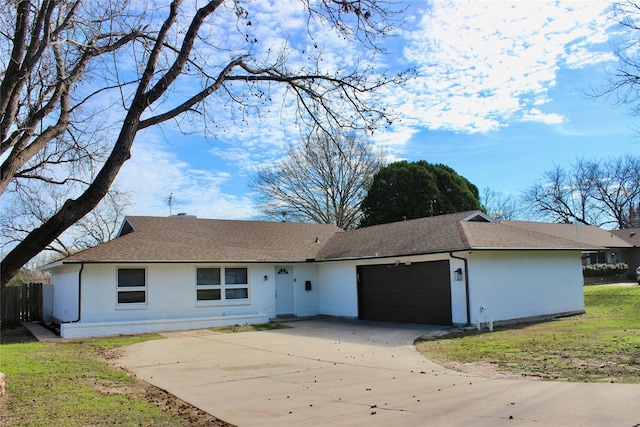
(171, 300)
(338, 294)
(65, 293)
(509, 285)
(458, 293)
(305, 303)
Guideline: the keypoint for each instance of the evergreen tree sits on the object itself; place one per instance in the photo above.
(404, 190)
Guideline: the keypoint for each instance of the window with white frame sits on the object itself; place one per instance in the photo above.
(222, 284)
(132, 286)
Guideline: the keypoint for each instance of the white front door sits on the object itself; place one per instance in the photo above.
(284, 291)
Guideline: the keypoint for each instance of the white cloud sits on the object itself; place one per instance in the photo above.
(483, 64)
(153, 173)
(395, 138)
(535, 115)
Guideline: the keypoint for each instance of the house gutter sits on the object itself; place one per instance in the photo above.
(79, 294)
(466, 285)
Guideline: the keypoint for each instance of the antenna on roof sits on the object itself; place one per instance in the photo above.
(170, 203)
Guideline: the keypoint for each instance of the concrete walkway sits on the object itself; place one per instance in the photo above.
(333, 372)
(40, 332)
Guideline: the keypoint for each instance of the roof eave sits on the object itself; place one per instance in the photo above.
(525, 248)
(185, 261)
(51, 265)
(364, 257)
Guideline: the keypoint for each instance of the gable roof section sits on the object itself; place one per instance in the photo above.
(504, 236)
(587, 234)
(438, 234)
(145, 238)
(414, 236)
(629, 235)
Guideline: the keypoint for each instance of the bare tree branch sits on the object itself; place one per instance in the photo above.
(65, 65)
(322, 179)
(596, 193)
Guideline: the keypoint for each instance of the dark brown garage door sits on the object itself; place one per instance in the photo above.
(415, 293)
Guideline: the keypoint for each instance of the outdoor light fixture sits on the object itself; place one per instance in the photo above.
(266, 277)
(457, 274)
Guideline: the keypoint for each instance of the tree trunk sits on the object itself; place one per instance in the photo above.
(75, 209)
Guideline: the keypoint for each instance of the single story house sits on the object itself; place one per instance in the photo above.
(631, 254)
(616, 245)
(175, 273)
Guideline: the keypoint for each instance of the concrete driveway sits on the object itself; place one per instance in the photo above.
(334, 372)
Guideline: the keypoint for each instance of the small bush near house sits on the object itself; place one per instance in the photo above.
(597, 270)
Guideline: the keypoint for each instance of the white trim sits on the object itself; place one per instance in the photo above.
(478, 214)
(82, 330)
(223, 301)
(125, 221)
(145, 288)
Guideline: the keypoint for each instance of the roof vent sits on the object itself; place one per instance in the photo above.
(183, 215)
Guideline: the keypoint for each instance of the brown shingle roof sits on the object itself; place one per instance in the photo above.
(587, 234)
(210, 240)
(505, 236)
(444, 233)
(629, 235)
(195, 239)
(416, 236)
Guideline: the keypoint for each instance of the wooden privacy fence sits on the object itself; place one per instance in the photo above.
(21, 303)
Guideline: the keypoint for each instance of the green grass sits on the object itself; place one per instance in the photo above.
(601, 345)
(65, 384)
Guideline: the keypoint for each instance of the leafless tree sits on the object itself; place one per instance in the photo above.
(322, 179)
(498, 205)
(98, 226)
(623, 81)
(563, 196)
(28, 209)
(617, 186)
(80, 79)
(596, 193)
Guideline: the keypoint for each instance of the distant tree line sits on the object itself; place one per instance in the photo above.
(604, 193)
(343, 181)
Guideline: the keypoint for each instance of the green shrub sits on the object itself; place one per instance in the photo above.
(596, 270)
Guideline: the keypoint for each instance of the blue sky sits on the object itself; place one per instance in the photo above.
(500, 95)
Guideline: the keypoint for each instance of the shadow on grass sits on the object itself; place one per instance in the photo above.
(15, 334)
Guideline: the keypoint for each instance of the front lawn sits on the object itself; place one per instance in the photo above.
(601, 345)
(69, 383)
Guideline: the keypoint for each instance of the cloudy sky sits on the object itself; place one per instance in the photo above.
(501, 94)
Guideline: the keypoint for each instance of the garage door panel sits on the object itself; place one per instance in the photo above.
(419, 292)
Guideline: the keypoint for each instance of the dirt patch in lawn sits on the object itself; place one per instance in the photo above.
(164, 400)
(171, 404)
(485, 370)
(603, 370)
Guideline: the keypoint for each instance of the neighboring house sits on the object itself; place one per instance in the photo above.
(177, 273)
(630, 255)
(613, 248)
